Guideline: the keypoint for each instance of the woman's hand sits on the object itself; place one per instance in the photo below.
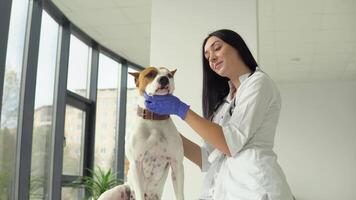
(166, 105)
(209, 131)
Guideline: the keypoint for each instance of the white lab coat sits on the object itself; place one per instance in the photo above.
(249, 123)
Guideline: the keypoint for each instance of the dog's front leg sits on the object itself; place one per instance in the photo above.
(137, 180)
(178, 179)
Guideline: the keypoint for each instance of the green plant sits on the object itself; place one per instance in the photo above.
(97, 182)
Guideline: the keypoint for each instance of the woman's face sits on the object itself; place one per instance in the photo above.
(222, 57)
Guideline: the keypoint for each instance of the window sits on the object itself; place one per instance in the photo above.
(10, 98)
(76, 93)
(131, 108)
(73, 149)
(107, 101)
(42, 127)
(78, 67)
(69, 193)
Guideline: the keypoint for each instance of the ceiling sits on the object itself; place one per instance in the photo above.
(123, 26)
(308, 40)
(298, 40)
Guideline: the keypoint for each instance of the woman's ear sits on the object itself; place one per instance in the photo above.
(135, 75)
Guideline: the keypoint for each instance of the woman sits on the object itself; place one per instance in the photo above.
(241, 107)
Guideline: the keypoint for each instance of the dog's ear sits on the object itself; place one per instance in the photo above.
(135, 75)
(173, 72)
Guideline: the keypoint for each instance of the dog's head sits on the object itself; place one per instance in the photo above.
(154, 81)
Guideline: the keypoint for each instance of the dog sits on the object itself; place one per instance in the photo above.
(153, 146)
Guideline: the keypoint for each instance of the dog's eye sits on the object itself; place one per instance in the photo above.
(152, 74)
(170, 75)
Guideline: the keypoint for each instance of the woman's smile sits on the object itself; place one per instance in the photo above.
(218, 65)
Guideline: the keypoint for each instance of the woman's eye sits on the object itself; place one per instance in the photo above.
(217, 48)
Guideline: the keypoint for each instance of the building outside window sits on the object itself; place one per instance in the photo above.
(106, 113)
(43, 123)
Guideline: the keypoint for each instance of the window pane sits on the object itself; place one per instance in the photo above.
(42, 127)
(10, 98)
(69, 193)
(131, 107)
(73, 143)
(79, 62)
(106, 113)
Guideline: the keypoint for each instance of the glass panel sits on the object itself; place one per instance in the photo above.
(74, 141)
(10, 98)
(79, 62)
(106, 113)
(42, 126)
(131, 107)
(69, 193)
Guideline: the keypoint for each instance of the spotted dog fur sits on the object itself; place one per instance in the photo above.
(152, 147)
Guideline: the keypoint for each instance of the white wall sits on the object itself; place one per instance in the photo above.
(316, 136)
(177, 32)
(316, 139)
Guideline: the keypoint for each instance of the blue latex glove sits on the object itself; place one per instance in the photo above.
(166, 105)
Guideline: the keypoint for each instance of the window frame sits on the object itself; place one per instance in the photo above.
(20, 188)
(58, 179)
(62, 97)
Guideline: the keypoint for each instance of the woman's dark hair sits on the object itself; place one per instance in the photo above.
(215, 87)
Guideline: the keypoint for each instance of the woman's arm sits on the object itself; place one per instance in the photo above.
(212, 133)
(192, 151)
(168, 104)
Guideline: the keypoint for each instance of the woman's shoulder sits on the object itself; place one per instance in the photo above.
(261, 81)
(260, 77)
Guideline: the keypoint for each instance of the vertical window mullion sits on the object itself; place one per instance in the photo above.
(94, 73)
(27, 98)
(90, 143)
(121, 122)
(59, 115)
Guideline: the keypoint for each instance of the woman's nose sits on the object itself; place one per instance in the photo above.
(212, 58)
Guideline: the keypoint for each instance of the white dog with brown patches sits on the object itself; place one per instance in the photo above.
(153, 146)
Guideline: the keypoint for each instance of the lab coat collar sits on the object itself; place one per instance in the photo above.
(242, 79)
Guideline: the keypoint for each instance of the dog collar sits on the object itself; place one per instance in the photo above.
(146, 114)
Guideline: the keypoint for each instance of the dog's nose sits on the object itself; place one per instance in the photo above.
(163, 81)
